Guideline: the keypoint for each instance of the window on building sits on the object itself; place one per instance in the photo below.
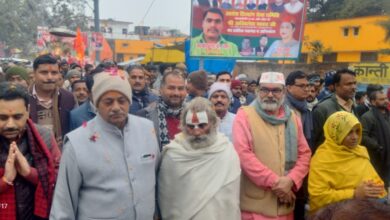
(109, 30)
(120, 57)
(124, 31)
(330, 58)
(125, 45)
(346, 31)
(103, 29)
(356, 31)
(369, 57)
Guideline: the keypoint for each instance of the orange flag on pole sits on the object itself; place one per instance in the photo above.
(79, 46)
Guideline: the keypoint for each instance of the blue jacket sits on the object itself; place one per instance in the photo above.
(249, 98)
(145, 97)
(234, 105)
(81, 114)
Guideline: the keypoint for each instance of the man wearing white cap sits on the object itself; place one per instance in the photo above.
(108, 165)
(220, 96)
(199, 176)
(274, 154)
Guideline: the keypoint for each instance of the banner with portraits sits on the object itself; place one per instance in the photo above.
(43, 37)
(97, 41)
(247, 29)
(372, 73)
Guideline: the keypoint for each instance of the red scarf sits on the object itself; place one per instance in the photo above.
(45, 187)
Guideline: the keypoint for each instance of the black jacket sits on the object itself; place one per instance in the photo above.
(321, 112)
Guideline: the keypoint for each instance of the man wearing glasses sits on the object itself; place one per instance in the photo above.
(297, 86)
(273, 151)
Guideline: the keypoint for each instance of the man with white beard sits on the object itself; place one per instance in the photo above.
(273, 151)
(199, 175)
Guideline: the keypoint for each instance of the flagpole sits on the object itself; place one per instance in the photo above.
(97, 27)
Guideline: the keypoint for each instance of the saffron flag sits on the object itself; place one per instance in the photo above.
(79, 46)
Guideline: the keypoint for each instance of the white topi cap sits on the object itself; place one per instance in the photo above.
(272, 77)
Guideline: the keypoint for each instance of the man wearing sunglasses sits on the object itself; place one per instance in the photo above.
(273, 151)
(199, 176)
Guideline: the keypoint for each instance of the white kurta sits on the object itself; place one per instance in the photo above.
(199, 184)
(226, 125)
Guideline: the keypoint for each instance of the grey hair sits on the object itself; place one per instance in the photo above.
(135, 67)
(199, 104)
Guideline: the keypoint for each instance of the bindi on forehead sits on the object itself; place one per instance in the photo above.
(50, 69)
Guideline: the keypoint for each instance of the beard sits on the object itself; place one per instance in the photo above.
(310, 99)
(270, 104)
(382, 107)
(173, 104)
(12, 134)
(202, 141)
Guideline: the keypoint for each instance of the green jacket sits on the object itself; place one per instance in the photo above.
(223, 48)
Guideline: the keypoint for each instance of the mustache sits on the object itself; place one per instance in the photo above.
(203, 140)
(10, 130)
(115, 113)
(197, 140)
(213, 29)
(271, 100)
(49, 82)
(219, 104)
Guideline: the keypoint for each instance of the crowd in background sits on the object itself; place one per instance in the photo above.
(298, 145)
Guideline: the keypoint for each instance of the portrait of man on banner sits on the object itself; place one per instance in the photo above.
(206, 3)
(293, 6)
(262, 48)
(97, 41)
(251, 5)
(211, 42)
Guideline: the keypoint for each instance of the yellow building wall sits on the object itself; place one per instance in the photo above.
(132, 49)
(171, 40)
(130, 56)
(331, 34)
(384, 58)
(165, 56)
(133, 46)
(348, 57)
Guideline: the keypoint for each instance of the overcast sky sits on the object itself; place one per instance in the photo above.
(168, 13)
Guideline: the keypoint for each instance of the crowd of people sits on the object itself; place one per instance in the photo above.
(147, 142)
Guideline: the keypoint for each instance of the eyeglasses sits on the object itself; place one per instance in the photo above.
(302, 86)
(275, 91)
